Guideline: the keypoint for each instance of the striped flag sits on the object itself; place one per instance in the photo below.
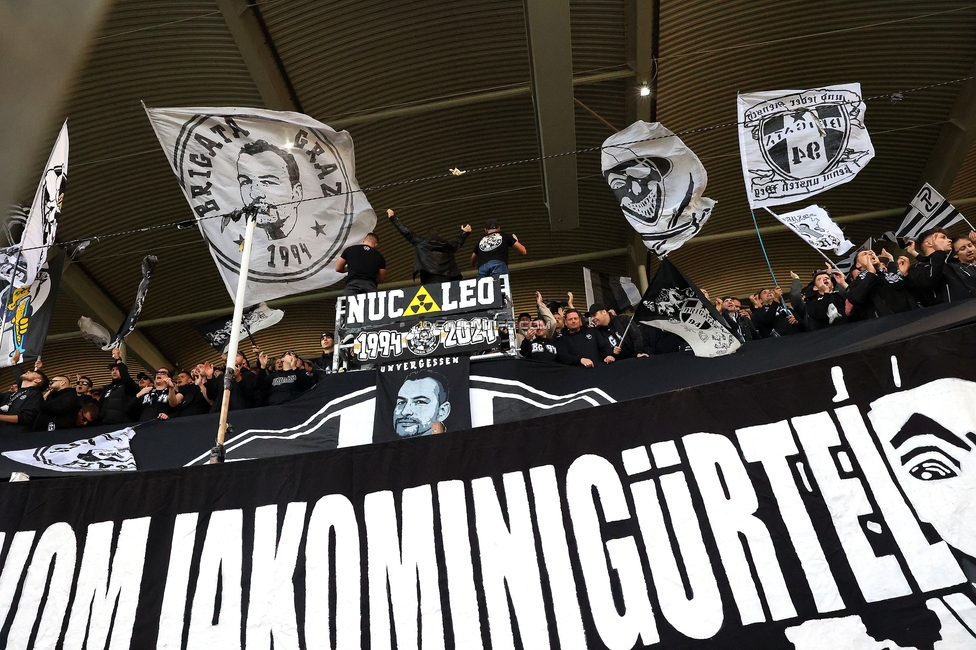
(611, 291)
(928, 209)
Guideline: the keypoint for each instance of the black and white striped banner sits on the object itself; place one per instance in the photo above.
(611, 291)
(928, 209)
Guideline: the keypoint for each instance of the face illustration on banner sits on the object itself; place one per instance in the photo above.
(638, 185)
(928, 435)
(422, 400)
(271, 183)
(658, 182)
(293, 176)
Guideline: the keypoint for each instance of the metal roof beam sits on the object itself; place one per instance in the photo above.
(955, 140)
(246, 25)
(517, 90)
(81, 288)
(641, 27)
(551, 65)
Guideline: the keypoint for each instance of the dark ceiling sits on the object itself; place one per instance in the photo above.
(426, 86)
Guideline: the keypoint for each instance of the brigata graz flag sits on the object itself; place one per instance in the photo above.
(659, 183)
(674, 304)
(42, 222)
(297, 175)
(797, 143)
(814, 226)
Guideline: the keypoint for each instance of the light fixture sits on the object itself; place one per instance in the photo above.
(645, 91)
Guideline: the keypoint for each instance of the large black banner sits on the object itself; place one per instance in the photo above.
(825, 505)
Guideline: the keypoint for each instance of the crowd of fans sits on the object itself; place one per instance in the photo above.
(878, 285)
(944, 271)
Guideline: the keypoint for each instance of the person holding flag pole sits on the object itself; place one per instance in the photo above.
(217, 455)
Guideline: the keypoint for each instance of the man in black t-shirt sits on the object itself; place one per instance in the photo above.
(366, 266)
(185, 397)
(490, 254)
(153, 403)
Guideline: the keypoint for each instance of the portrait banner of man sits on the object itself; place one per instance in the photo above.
(421, 398)
(294, 175)
(659, 183)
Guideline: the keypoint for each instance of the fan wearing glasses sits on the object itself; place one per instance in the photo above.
(83, 388)
(152, 402)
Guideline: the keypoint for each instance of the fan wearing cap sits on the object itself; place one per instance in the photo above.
(612, 328)
(490, 254)
(323, 365)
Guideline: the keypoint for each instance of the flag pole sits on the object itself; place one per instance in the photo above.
(217, 455)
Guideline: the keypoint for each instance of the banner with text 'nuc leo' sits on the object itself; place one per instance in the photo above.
(826, 505)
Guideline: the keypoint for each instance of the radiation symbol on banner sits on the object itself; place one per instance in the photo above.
(422, 303)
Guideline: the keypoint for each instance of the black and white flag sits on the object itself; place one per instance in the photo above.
(295, 174)
(129, 324)
(674, 304)
(41, 225)
(659, 183)
(797, 143)
(611, 291)
(814, 226)
(108, 452)
(26, 313)
(928, 209)
(257, 318)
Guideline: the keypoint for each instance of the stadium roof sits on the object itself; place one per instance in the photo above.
(426, 86)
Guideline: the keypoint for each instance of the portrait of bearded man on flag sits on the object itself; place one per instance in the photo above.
(271, 185)
(294, 176)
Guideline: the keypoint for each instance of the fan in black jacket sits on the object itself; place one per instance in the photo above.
(580, 345)
(20, 411)
(117, 397)
(741, 325)
(433, 255)
(876, 290)
(769, 315)
(932, 276)
(59, 408)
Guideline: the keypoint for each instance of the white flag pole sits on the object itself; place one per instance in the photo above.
(217, 455)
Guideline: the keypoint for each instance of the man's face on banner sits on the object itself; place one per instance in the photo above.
(264, 181)
(928, 435)
(419, 404)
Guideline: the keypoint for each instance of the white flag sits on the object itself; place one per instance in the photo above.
(814, 226)
(659, 183)
(42, 222)
(797, 143)
(297, 174)
(108, 452)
